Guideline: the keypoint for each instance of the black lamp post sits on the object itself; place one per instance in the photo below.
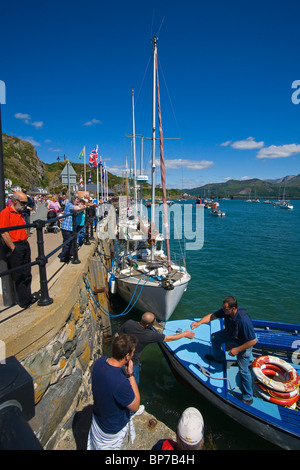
(7, 285)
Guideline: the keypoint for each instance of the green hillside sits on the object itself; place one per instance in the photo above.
(249, 188)
(23, 167)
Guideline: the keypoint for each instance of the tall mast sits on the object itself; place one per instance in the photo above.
(154, 41)
(134, 156)
(163, 176)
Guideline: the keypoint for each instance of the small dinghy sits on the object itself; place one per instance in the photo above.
(274, 414)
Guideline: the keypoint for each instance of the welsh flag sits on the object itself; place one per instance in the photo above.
(81, 153)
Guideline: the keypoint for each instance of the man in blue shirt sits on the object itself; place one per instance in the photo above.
(115, 395)
(67, 228)
(239, 333)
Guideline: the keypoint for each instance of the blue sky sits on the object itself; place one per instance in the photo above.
(227, 70)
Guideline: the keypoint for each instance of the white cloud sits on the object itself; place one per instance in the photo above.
(247, 144)
(32, 141)
(92, 122)
(176, 164)
(22, 116)
(280, 151)
(36, 124)
(225, 144)
(27, 119)
(118, 170)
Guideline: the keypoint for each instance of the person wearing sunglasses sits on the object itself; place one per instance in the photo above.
(18, 249)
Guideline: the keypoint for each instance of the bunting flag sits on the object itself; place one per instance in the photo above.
(90, 178)
(93, 158)
(81, 181)
(81, 153)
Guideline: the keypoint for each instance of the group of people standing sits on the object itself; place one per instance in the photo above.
(15, 246)
(115, 379)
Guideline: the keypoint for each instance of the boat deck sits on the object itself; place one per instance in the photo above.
(143, 273)
(223, 378)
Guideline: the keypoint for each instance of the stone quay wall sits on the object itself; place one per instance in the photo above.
(61, 370)
(59, 343)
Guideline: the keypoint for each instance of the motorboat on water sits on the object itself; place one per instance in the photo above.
(275, 412)
(217, 213)
(286, 205)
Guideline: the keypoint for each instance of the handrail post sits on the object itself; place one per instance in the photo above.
(75, 259)
(45, 299)
(92, 226)
(86, 224)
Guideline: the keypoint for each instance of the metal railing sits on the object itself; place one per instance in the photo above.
(42, 258)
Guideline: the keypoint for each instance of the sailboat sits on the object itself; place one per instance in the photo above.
(147, 277)
(285, 204)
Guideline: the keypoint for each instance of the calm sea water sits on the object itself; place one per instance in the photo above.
(253, 253)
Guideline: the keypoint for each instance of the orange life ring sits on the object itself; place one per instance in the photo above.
(289, 385)
(279, 401)
(274, 394)
(271, 370)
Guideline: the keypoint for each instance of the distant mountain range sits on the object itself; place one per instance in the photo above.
(290, 185)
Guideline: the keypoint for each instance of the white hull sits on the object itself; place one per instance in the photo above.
(154, 297)
(218, 213)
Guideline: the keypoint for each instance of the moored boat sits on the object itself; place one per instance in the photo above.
(218, 382)
(286, 205)
(154, 281)
(217, 213)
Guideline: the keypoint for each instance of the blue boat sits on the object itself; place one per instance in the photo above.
(218, 382)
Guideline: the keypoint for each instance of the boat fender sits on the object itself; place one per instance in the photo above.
(112, 283)
(288, 385)
(113, 287)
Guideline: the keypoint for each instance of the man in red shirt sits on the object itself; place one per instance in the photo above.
(18, 248)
